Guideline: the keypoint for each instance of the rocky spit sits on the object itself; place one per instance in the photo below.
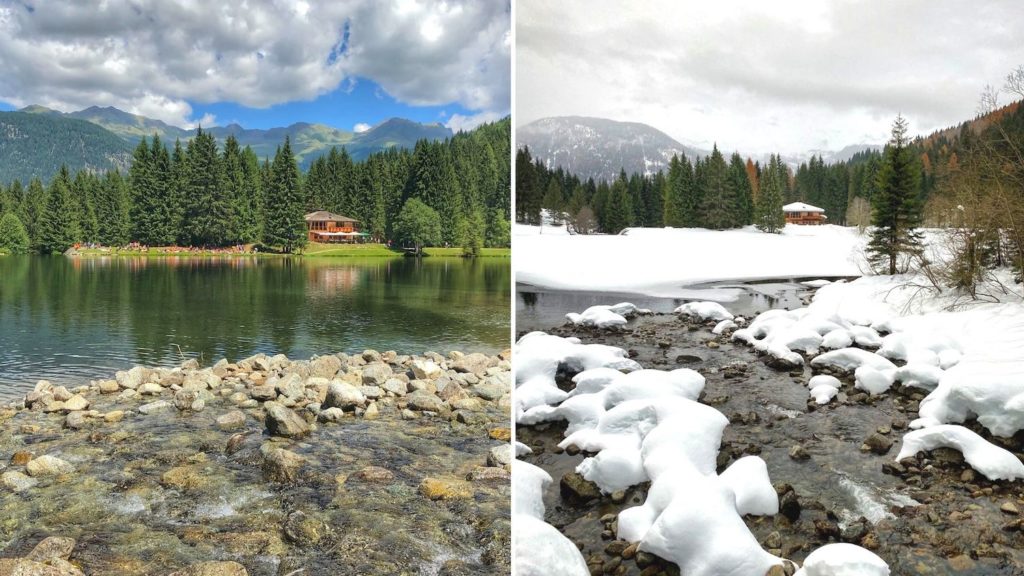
(372, 463)
(833, 466)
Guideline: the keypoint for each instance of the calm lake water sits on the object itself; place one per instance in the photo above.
(70, 320)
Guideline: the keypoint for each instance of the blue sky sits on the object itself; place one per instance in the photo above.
(262, 63)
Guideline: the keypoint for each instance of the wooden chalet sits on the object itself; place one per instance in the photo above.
(327, 227)
(800, 213)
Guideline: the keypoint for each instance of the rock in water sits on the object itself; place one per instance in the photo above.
(441, 489)
(212, 569)
(282, 466)
(52, 547)
(48, 466)
(232, 420)
(282, 421)
(22, 567)
(16, 481)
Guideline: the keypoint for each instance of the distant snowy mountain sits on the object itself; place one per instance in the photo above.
(829, 156)
(599, 148)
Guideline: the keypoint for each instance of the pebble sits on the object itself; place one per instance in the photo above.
(48, 466)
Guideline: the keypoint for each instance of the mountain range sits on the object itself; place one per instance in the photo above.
(23, 154)
(599, 148)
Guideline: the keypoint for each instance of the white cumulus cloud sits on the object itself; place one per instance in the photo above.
(361, 127)
(152, 57)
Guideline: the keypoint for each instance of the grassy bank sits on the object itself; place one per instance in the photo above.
(312, 250)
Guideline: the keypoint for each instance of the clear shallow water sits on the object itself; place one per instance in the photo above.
(71, 320)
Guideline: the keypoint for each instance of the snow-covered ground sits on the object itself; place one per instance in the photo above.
(661, 261)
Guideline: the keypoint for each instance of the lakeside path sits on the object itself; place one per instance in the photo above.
(372, 463)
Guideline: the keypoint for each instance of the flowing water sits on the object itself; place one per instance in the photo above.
(69, 320)
(935, 523)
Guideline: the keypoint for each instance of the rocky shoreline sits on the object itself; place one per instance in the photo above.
(832, 465)
(367, 463)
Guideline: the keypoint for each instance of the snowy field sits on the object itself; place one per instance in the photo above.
(661, 261)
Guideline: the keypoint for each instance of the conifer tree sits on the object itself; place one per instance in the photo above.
(896, 213)
(768, 215)
(31, 211)
(285, 227)
(59, 228)
(619, 210)
(739, 181)
(691, 190)
(207, 207)
(718, 202)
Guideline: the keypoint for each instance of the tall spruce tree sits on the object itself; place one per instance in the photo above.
(207, 207)
(284, 227)
(619, 209)
(691, 190)
(896, 212)
(739, 182)
(718, 204)
(768, 215)
(59, 227)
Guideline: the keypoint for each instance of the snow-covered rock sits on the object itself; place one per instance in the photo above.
(990, 460)
(823, 388)
(540, 548)
(874, 381)
(849, 359)
(539, 357)
(705, 311)
(838, 338)
(722, 326)
(605, 316)
(843, 560)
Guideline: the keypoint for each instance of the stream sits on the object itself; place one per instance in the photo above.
(931, 517)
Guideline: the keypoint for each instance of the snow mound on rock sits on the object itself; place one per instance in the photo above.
(540, 548)
(705, 311)
(843, 560)
(539, 357)
(990, 460)
(606, 316)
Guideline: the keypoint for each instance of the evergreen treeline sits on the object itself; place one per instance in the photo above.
(200, 194)
(715, 192)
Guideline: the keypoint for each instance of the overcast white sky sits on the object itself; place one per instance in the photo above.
(765, 76)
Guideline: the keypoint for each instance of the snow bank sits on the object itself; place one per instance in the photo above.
(540, 549)
(872, 380)
(605, 316)
(990, 460)
(635, 262)
(705, 311)
(843, 560)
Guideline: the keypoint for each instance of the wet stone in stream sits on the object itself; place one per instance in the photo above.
(927, 515)
(229, 470)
